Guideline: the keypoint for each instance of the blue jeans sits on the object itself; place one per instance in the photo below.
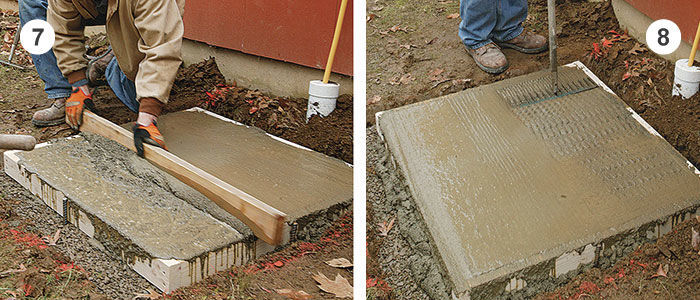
(123, 87)
(486, 21)
(55, 84)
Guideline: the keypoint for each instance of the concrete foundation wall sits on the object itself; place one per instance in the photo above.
(268, 75)
(637, 23)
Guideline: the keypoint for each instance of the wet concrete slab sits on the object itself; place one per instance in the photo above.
(286, 176)
(511, 181)
(165, 230)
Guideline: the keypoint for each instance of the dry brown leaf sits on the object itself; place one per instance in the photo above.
(660, 272)
(406, 78)
(453, 16)
(152, 295)
(434, 75)
(638, 48)
(340, 287)
(295, 295)
(371, 17)
(396, 28)
(695, 240)
(339, 263)
(385, 227)
(375, 99)
(51, 241)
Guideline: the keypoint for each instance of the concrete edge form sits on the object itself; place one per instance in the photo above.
(268, 75)
(636, 23)
(549, 273)
(166, 274)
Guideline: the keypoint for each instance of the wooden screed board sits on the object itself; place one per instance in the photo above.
(266, 222)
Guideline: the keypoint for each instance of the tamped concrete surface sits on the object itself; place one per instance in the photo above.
(130, 196)
(506, 178)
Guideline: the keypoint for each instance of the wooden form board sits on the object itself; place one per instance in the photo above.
(266, 222)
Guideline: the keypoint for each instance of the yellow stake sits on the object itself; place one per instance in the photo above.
(695, 47)
(336, 37)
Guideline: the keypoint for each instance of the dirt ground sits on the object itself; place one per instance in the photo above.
(414, 54)
(76, 267)
(291, 268)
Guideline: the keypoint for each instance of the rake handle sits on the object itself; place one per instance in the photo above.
(691, 60)
(336, 38)
(551, 18)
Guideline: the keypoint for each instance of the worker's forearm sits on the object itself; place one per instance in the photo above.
(151, 106)
(159, 23)
(77, 78)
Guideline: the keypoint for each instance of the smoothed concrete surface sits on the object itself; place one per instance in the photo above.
(290, 178)
(507, 177)
(97, 175)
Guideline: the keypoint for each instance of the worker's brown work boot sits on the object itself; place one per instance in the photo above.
(489, 58)
(97, 66)
(54, 115)
(526, 42)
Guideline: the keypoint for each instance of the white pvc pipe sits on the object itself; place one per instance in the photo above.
(322, 98)
(686, 80)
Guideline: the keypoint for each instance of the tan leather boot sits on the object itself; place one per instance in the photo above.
(526, 42)
(489, 58)
(51, 116)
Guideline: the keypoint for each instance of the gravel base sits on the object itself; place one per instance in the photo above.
(111, 276)
(405, 256)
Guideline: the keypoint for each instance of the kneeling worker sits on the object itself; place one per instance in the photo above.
(146, 37)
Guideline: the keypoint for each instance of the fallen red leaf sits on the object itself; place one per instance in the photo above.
(660, 272)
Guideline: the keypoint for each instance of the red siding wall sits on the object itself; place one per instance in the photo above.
(685, 13)
(298, 31)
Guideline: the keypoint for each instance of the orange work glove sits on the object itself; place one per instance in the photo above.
(149, 135)
(75, 105)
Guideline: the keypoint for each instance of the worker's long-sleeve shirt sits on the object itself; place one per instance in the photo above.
(146, 36)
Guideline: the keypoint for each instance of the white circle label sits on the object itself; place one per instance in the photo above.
(37, 36)
(663, 36)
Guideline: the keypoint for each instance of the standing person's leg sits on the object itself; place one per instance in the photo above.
(123, 87)
(509, 31)
(511, 15)
(55, 85)
(479, 20)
